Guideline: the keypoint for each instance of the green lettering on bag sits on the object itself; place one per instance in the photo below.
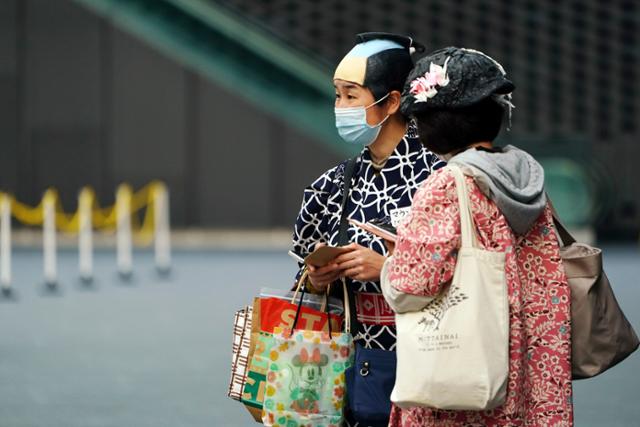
(254, 387)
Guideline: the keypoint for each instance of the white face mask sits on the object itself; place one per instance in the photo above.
(352, 125)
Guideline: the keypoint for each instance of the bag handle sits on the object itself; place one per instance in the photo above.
(347, 312)
(566, 238)
(302, 290)
(347, 306)
(469, 237)
(303, 277)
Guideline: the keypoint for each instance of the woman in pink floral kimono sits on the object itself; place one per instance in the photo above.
(458, 98)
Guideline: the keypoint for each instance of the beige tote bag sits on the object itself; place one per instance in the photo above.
(454, 353)
(601, 335)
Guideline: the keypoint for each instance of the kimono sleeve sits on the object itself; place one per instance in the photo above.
(311, 225)
(428, 239)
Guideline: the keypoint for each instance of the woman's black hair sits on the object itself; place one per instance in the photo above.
(387, 70)
(383, 78)
(444, 131)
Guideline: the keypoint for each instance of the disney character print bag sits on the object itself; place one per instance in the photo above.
(306, 377)
(268, 314)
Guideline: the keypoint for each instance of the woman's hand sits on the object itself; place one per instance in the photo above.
(321, 277)
(360, 263)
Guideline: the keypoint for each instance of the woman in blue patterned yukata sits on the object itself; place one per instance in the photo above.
(390, 168)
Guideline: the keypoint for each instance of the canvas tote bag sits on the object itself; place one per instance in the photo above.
(454, 353)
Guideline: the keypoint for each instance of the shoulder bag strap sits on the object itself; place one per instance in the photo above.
(565, 237)
(343, 239)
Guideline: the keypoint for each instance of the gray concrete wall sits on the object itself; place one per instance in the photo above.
(82, 103)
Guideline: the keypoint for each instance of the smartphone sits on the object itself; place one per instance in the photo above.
(385, 231)
(384, 224)
(324, 255)
(296, 257)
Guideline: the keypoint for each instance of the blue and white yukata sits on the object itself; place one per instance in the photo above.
(384, 194)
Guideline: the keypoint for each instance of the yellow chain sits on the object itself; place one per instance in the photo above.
(103, 218)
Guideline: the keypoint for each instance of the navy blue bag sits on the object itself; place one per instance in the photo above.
(373, 374)
(369, 383)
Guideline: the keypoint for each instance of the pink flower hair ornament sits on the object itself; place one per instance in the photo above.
(425, 87)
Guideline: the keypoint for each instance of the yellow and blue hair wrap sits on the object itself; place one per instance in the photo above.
(379, 62)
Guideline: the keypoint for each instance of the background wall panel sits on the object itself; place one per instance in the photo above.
(61, 117)
(148, 127)
(9, 131)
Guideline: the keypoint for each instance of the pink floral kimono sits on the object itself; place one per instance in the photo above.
(539, 391)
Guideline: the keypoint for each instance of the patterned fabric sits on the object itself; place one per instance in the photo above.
(373, 196)
(240, 351)
(539, 390)
(373, 309)
(306, 378)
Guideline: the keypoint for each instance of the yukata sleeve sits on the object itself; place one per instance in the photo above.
(424, 258)
(311, 226)
(399, 301)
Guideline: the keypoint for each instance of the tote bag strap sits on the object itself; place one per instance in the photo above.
(566, 238)
(468, 233)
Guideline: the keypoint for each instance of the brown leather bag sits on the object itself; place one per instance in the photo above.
(601, 335)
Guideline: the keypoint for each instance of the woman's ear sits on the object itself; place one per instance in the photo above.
(393, 102)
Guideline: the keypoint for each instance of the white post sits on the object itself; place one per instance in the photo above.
(49, 240)
(5, 243)
(123, 231)
(162, 239)
(85, 235)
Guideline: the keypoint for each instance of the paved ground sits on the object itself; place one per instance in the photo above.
(155, 352)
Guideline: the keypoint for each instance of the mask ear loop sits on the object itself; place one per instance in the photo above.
(378, 101)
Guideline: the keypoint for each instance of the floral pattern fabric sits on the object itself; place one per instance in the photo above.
(539, 391)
